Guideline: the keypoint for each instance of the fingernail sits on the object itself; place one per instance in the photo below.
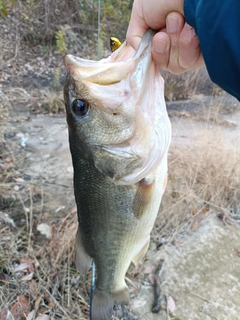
(160, 46)
(172, 24)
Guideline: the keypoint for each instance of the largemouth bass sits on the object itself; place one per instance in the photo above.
(119, 134)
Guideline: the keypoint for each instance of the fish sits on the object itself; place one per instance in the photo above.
(119, 135)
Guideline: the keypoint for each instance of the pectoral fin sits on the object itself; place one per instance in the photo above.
(143, 197)
(141, 253)
(82, 259)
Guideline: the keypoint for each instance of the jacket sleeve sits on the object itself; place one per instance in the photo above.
(217, 24)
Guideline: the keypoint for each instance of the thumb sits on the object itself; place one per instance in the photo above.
(149, 14)
(137, 25)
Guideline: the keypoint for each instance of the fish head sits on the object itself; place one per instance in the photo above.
(116, 112)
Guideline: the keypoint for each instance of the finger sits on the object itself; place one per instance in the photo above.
(174, 26)
(149, 14)
(137, 25)
(190, 54)
(160, 49)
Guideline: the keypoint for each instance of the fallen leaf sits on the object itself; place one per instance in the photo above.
(5, 218)
(43, 317)
(4, 166)
(8, 160)
(5, 314)
(194, 211)
(31, 315)
(30, 263)
(151, 278)
(27, 277)
(171, 304)
(37, 302)
(23, 301)
(4, 278)
(45, 229)
(19, 180)
(177, 244)
(51, 305)
(43, 310)
(21, 307)
(205, 209)
(21, 267)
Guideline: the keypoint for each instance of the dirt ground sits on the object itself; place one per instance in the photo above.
(200, 277)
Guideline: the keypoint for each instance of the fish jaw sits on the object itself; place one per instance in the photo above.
(128, 90)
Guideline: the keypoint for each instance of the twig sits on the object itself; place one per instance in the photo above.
(157, 296)
(209, 301)
(56, 302)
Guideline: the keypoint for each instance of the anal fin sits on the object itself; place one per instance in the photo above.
(82, 259)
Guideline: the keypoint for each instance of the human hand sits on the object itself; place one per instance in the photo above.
(175, 46)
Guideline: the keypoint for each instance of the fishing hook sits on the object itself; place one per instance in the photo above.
(92, 287)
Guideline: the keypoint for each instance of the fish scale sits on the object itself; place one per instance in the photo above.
(119, 177)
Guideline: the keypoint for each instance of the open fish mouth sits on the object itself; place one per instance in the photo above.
(115, 85)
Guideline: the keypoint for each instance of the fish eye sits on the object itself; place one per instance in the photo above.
(80, 107)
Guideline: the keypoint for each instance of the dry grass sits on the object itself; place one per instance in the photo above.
(52, 101)
(204, 177)
(181, 87)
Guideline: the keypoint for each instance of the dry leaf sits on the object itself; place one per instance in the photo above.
(194, 211)
(205, 209)
(19, 180)
(30, 263)
(21, 267)
(5, 218)
(4, 166)
(4, 278)
(5, 314)
(43, 310)
(23, 301)
(45, 229)
(51, 305)
(178, 244)
(171, 304)
(21, 307)
(8, 160)
(151, 278)
(43, 317)
(27, 277)
(37, 302)
(31, 315)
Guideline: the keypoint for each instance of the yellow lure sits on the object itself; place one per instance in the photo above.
(114, 44)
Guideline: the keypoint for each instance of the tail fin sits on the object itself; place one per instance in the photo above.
(103, 302)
